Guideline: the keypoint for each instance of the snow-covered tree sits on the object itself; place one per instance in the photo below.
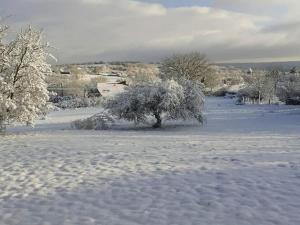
(158, 98)
(23, 68)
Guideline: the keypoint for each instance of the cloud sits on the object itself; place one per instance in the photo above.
(89, 30)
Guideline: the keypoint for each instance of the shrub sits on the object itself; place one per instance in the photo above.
(100, 121)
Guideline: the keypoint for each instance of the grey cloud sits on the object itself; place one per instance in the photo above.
(89, 30)
(283, 27)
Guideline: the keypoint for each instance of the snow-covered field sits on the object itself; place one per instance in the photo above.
(242, 167)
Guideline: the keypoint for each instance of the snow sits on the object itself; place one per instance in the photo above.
(242, 167)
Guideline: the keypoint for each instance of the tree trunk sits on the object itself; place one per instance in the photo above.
(2, 127)
(158, 121)
(62, 90)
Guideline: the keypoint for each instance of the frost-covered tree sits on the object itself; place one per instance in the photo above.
(23, 68)
(158, 98)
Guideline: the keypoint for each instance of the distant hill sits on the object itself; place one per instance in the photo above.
(285, 66)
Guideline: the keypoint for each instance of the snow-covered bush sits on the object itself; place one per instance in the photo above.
(23, 68)
(158, 98)
(100, 121)
(194, 99)
(247, 95)
(289, 89)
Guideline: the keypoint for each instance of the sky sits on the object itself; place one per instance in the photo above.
(149, 30)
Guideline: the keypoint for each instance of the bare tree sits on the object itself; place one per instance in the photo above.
(191, 66)
(256, 83)
(273, 78)
(212, 78)
(275, 74)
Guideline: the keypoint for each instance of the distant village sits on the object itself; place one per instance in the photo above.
(95, 80)
(108, 79)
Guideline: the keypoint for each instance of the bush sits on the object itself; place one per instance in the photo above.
(100, 121)
(220, 93)
(289, 89)
(293, 101)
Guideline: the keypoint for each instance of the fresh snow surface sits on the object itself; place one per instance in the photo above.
(242, 167)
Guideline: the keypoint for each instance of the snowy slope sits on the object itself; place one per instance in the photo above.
(242, 167)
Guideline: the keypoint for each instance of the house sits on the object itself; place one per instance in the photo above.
(110, 89)
(250, 71)
(64, 71)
